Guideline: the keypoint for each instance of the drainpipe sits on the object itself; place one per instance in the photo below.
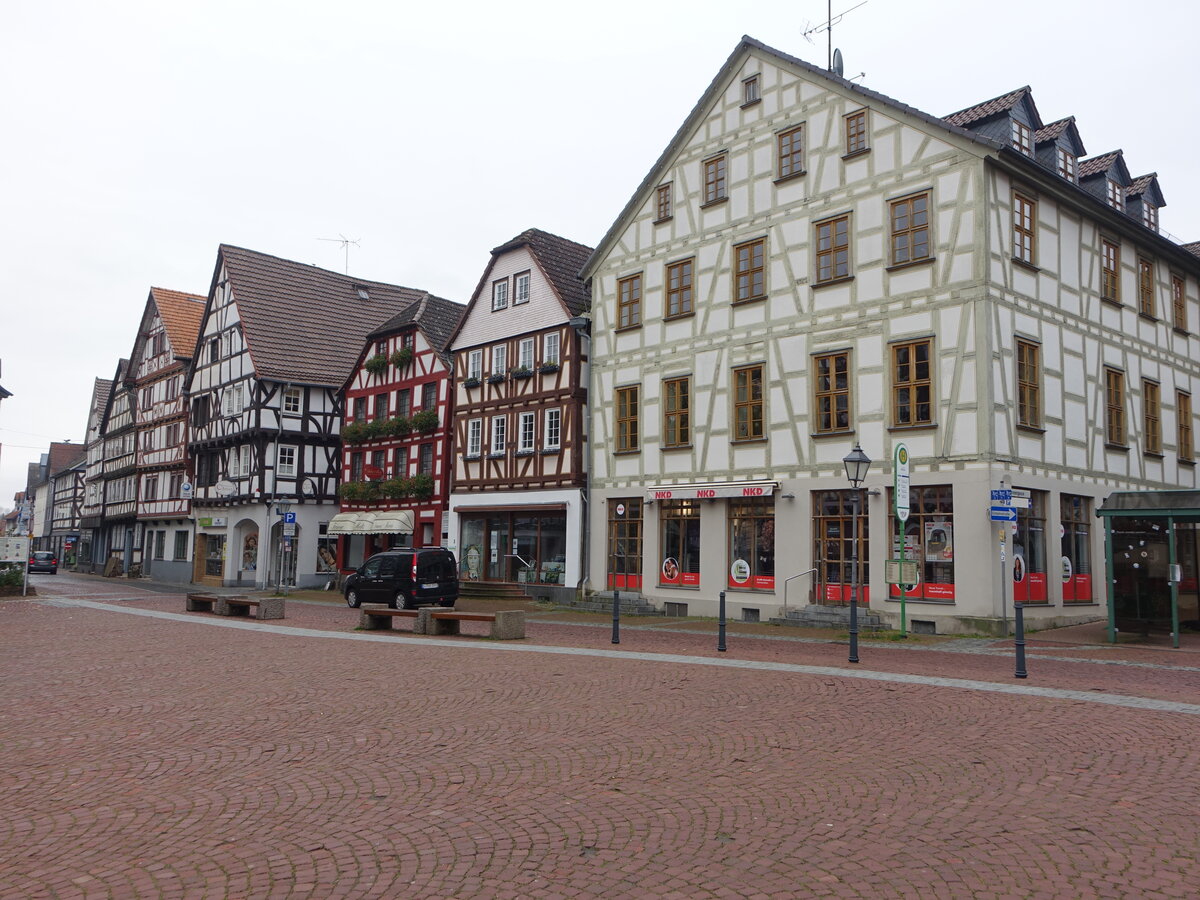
(582, 327)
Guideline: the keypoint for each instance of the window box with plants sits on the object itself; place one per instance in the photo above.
(377, 364)
(359, 491)
(522, 372)
(472, 382)
(402, 357)
(497, 379)
(425, 421)
(356, 433)
(548, 368)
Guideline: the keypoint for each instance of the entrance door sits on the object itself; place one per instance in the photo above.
(209, 566)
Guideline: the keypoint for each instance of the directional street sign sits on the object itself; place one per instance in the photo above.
(1002, 497)
(1004, 514)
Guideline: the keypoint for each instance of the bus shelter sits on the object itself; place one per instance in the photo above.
(1151, 539)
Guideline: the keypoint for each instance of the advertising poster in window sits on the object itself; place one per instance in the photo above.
(839, 594)
(1028, 586)
(939, 541)
(673, 573)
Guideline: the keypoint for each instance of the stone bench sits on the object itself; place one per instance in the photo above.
(379, 616)
(507, 625)
(201, 602)
(267, 607)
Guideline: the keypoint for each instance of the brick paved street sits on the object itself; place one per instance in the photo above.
(144, 755)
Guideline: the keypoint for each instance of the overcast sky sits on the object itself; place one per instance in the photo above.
(137, 136)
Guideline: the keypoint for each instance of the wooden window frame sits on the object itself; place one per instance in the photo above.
(832, 395)
(404, 405)
(629, 302)
(680, 288)
(749, 272)
(425, 459)
(662, 203)
(856, 132)
(831, 237)
(1029, 384)
(909, 231)
(499, 294)
(1022, 138)
(1152, 417)
(500, 360)
(625, 410)
(547, 357)
(288, 470)
(474, 438)
(293, 394)
(749, 413)
(751, 90)
(912, 383)
(1149, 215)
(1024, 229)
(676, 412)
(522, 278)
(475, 364)
(1114, 194)
(789, 153)
(1185, 448)
(1066, 164)
(526, 359)
(1110, 271)
(526, 431)
(1115, 434)
(716, 183)
(499, 436)
(1146, 305)
(1178, 304)
(552, 429)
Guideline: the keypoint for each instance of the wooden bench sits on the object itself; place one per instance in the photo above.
(267, 607)
(200, 602)
(379, 616)
(507, 625)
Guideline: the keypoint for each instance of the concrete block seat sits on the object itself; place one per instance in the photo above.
(266, 607)
(507, 625)
(200, 602)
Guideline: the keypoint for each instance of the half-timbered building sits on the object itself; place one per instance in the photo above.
(120, 538)
(811, 264)
(66, 498)
(396, 435)
(91, 515)
(276, 344)
(158, 366)
(519, 493)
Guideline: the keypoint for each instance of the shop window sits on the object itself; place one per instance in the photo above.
(752, 544)
(1076, 516)
(928, 539)
(624, 566)
(326, 549)
(1029, 551)
(680, 542)
(833, 547)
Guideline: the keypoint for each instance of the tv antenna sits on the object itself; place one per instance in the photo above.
(346, 242)
(827, 27)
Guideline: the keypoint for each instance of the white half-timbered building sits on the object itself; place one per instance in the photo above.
(91, 514)
(120, 537)
(158, 366)
(519, 494)
(396, 432)
(277, 342)
(810, 265)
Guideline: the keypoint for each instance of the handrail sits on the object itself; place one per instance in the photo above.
(785, 586)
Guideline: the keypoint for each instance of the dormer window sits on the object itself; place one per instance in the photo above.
(1115, 194)
(1022, 138)
(1066, 165)
(1149, 215)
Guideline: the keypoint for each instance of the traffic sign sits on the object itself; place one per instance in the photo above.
(901, 487)
(289, 529)
(289, 518)
(1004, 514)
(1002, 497)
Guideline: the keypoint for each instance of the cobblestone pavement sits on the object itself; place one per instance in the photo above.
(144, 755)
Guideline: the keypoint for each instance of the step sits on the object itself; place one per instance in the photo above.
(830, 617)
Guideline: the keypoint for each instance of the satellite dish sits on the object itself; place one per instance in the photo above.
(837, 63)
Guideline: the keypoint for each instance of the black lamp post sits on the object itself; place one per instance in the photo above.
(857, 463)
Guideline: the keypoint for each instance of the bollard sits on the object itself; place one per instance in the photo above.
(721, 625)
(616, 637)
(1019, 614)
(853, 625)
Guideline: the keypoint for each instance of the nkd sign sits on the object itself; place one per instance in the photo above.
(712, 491)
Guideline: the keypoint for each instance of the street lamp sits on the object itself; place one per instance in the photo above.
(857, 463)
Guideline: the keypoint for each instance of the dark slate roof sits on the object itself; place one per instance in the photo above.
(303, 324)
(437, 318)
(987, 109)
(1098, 165)
(4, 393)
(561, 260)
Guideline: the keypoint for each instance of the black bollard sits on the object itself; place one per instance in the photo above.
(1019, 613)
(616, 638)
(721, 625)
(853, 626)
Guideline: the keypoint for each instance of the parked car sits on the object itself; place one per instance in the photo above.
(43, 561)
(405, 579)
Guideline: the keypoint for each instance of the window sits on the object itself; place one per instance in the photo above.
(475, 364)
(1149, 215)
(833, 546)
(832, 400)
(1152, 417)
(425, 461)
(525, 353)
(625, 543)
(748, 403)
(381, 406)
(151, 487)
(752, 544)
(172, 435)
(627, 419)
(499, 436)
(500, 359)
(791, 152)
(521, 288)
(1178, 304)
(200, 411)
(287, 462)
(553, 432)
(160, 544)
(1029, 551)
(379, 462)
(1029, 384)
(1022, 138)
(662, 203)
(147, 440)
(910, 229)
(232, 404)
(550, 344)
(381, 347)
(1075, 517)
(291, 401)
(214, 349)
(429, 392)
(474, 437)
(408, 341)
(929, 539)
(750, 90)
(1066, 164)
(1115, 194)
(714, 179)
(175, 485)
(172, 388)
(749, 273)
(227, 343)
(679, 288)
(1146, 305)
(1184, 446)
(1110, 272)
(180, 545)
(360, 409)
(499, 295)
(243, 469)
(526, 427)
(833, 249)
(629, 301)
(1024, 219)
(147, 397)
(1114, 407)
(912, 384)
(856, 132)
(676, 412)
(356, 466)
(679, 521)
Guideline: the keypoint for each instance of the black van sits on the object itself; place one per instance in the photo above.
(405, 579)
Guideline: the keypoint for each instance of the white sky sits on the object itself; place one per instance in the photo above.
(137, 136)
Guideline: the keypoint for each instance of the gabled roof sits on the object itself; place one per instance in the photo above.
(1056, 130)
(117, 383)
(561, 260)
(997, 105)
(303, 324)
(1193, 248)
(181, 315)
(64, 456)
(1147, 184)
(437, 318)
(101, 389)
(1100, 165)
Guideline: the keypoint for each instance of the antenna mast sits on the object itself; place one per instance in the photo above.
(827, 27)
(345, 242)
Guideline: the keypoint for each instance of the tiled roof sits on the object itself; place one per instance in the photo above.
(561, 260)
(988, 108)
(1140, 184)
(303, 324)
(181, 315)
(101, 390)
(64, 455)
(437, 319)
(1097, 164)
(1054, 130)
(1193, 248)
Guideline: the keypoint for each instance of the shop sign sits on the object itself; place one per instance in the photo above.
(739, 572)
(214, 522)
(711, 492)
